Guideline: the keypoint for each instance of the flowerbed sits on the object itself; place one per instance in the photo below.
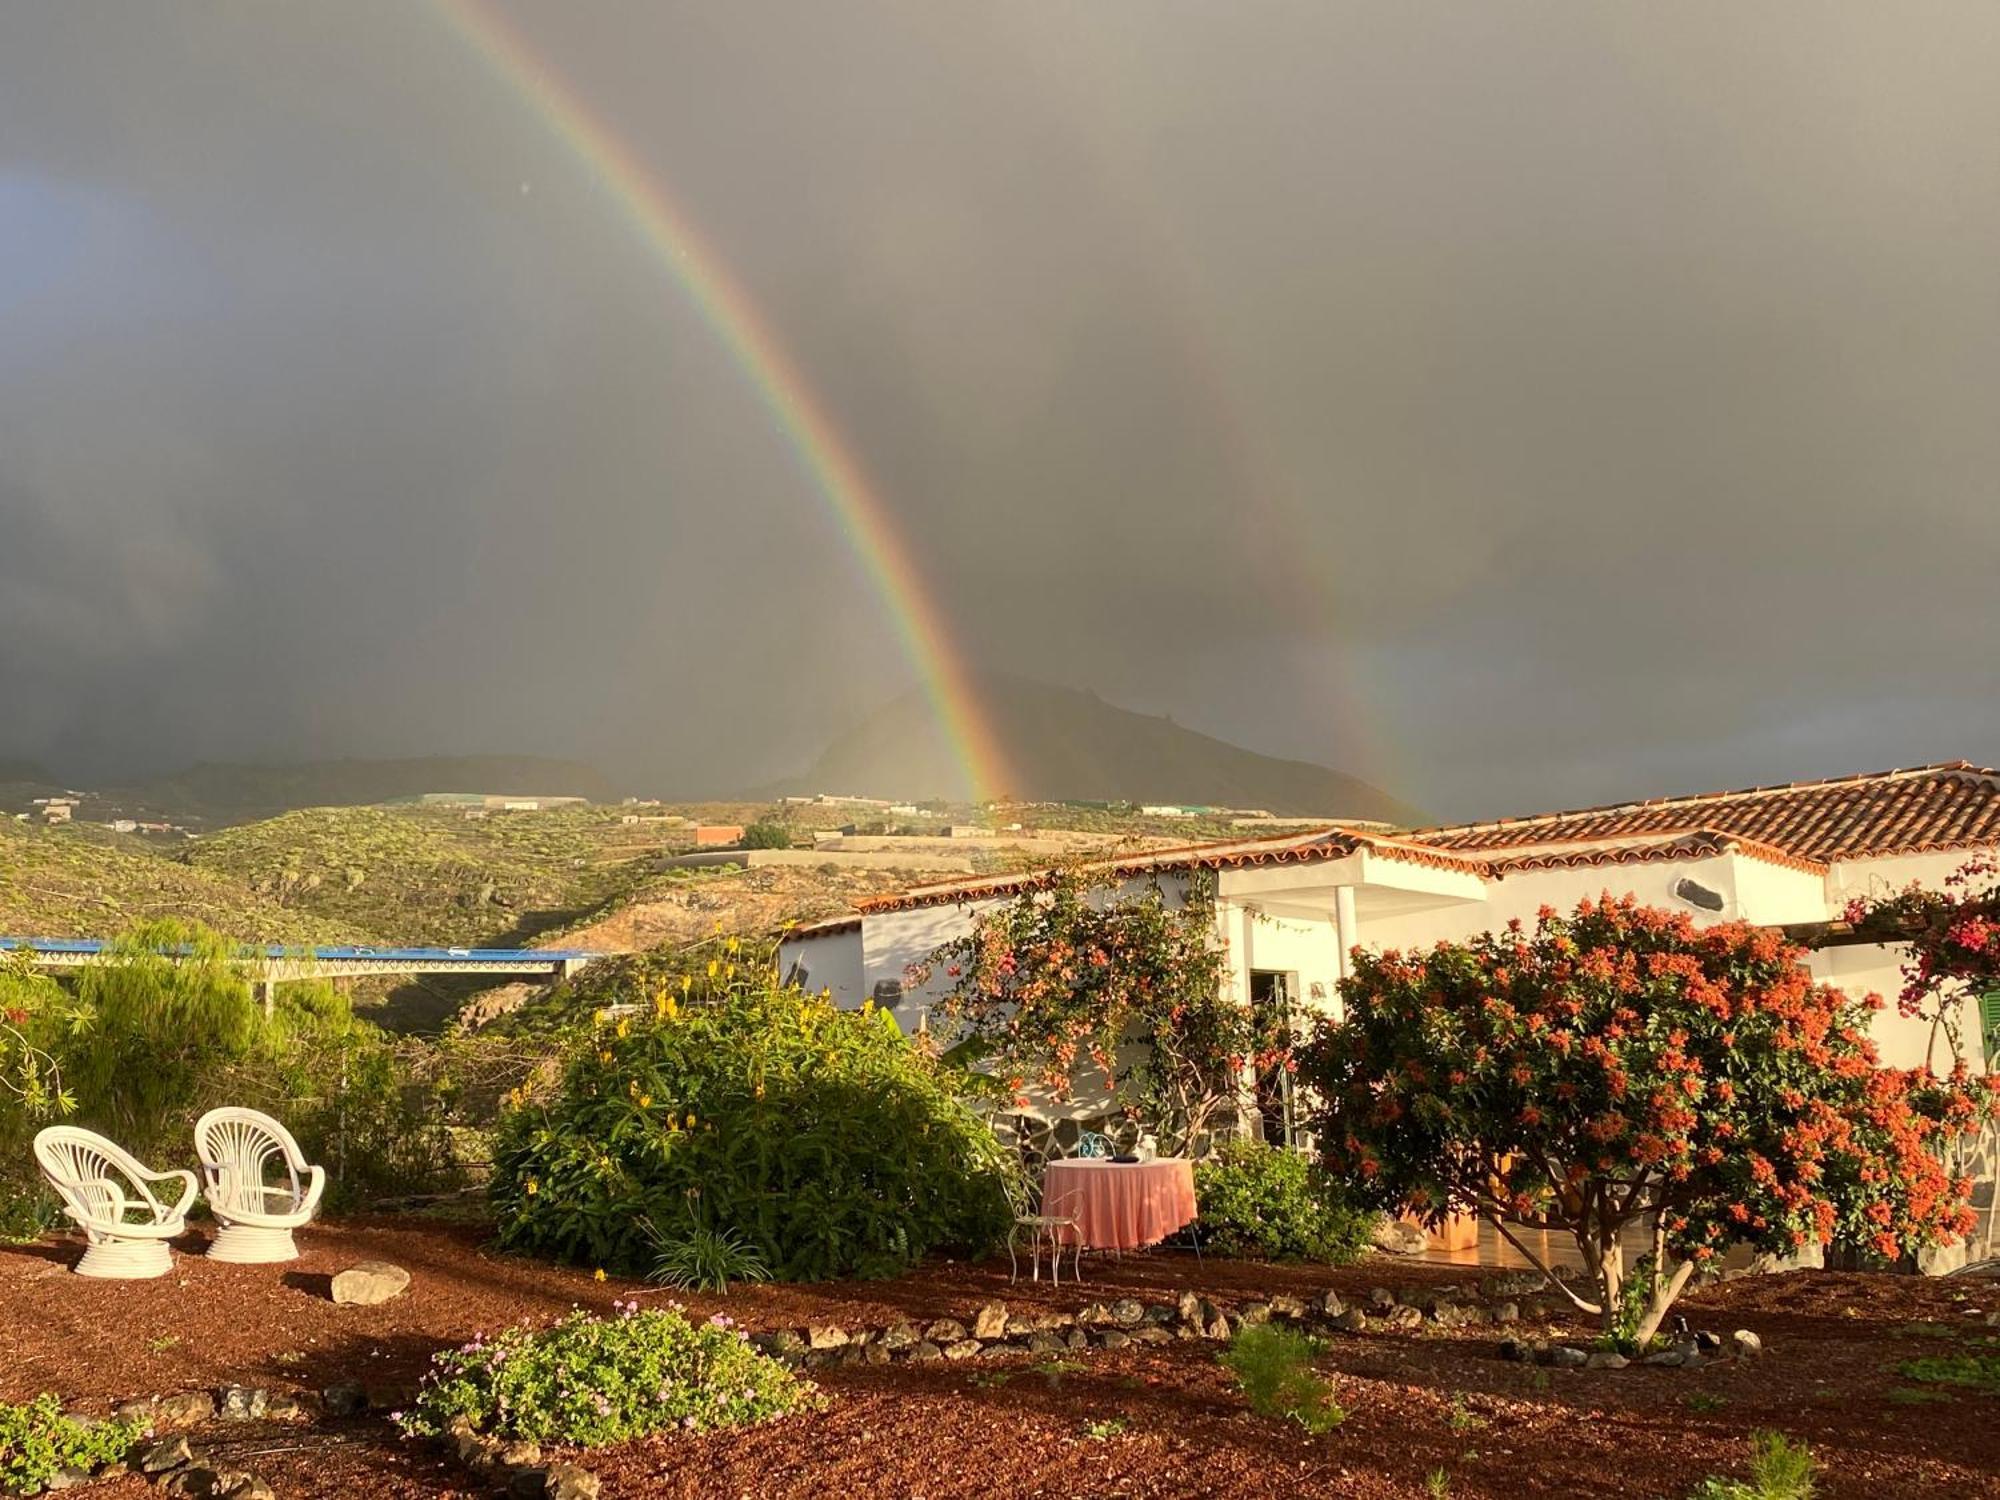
(589, 1381)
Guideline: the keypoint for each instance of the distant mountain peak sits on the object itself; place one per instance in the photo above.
(1069, 744)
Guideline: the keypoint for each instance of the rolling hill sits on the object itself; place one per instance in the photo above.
(88, 882)
(1067, 745)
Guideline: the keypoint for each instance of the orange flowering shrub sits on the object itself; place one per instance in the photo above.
(1622, 1067)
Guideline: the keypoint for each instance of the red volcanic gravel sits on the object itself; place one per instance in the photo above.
(1012, 1425)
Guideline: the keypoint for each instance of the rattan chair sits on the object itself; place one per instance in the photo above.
(108, 1192)
(257, 1182)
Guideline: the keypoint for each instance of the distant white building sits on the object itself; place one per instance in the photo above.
(1293, 906)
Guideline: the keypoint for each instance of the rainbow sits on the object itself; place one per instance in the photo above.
(858, 507)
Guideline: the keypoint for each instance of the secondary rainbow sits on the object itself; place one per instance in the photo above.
(866, 521)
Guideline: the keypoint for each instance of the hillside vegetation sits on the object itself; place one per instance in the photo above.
(430, 875)
(80, 882)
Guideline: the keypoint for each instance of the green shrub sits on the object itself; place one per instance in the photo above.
(37, 1442)
(591, 1381)
(1274, 1368)
(142, 1044)
(766, 835)
(820, 1138)
(1780, 1469)
(700, 1259)
(1276, 1204)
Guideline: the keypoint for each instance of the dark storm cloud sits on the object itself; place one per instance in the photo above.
(1522, 404)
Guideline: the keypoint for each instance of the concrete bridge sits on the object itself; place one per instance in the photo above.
(273, 963)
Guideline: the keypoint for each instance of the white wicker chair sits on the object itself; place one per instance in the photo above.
(107, 1191)
(258, 1184)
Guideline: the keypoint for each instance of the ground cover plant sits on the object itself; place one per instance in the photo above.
(590, 1381)
(1276, 1204)
(1072, 978)
(1621, 1067)
(38, 1442)
(1273, 1367)
(1971, 1370)
(821, 1139)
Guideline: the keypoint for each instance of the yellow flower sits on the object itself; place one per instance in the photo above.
(598, 1274)
(690, 1120)
(714, 967)
(625, 1027)
(645, 1101)
(533, 1187)
(604, 1056)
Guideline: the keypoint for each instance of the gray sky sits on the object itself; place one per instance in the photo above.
(1520, 405)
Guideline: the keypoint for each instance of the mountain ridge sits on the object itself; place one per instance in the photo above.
(1067, 744)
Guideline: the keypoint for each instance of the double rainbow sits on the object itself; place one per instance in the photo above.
(836, 473)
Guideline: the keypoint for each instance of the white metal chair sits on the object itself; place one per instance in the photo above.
(107, 1191)
(1042, 1224)
(258, 1183)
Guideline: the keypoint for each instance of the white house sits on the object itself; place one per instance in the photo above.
(1293, 906)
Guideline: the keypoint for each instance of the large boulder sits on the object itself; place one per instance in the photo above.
(1398, 1238)
(369, 1283)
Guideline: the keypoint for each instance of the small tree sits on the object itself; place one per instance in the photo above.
(1068, 977)
(1622, 1068)
(767, 834)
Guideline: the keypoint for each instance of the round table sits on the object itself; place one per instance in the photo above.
(1119, 1205)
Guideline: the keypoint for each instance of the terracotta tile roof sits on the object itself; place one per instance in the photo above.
(1695, 843)
(1801, 825)
(1952, 805)
(1310, 847)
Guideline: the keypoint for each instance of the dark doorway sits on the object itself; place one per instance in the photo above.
(1271, 998)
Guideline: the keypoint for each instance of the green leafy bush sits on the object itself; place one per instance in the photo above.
(767, 835)
(591, 1381)
(1274, 1367)
(37, 1442)
(1780, 1469)
(821, 1138)
(1276, 1204)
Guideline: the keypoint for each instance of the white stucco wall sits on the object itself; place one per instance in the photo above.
(831, 962)
(1298, 941)
(1283, 919)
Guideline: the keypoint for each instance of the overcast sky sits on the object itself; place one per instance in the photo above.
(1520, 405)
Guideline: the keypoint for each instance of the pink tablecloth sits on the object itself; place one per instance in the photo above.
(1120, 1205)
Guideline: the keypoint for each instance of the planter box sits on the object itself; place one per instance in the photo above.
(1459, 1232)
